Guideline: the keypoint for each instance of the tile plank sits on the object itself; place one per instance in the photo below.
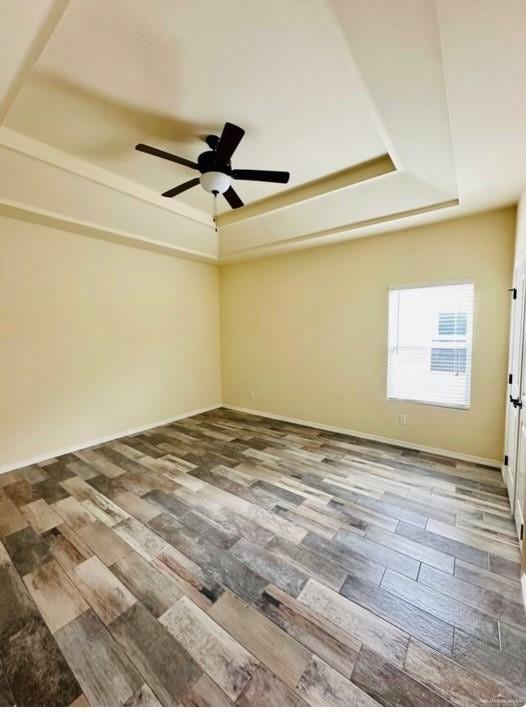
(320, 636)
(226, 662)
(446, 608)
(106, 676)
(383, 637)
(399, 612)
(277, 650)
(41, 516)
(156, 591)
(390, 685)
(57, 599)
(462, 686)
(322, 685)
(161, 660)
(102, 590)
(266, 690)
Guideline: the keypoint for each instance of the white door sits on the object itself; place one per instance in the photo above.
(517, 338)
(519, 505)
(516, 431)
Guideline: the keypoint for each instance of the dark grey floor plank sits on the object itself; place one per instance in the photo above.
(280, 493)
(6, 696)
(16, 605)
(104, 671)
(221, 568)
(506, 669)
(440, 605)
(513, 640)
(209, 530)
(488, 580)
(379, 553)
(163, 663)
(504, 567)
(390, 685)
(28, 550)
(274, 569)
(492, 603)
(448, 546)
(403, 513)
(344, 557)
(168, 502)
(421, 625)
(463, 686)
(156, 591)
(309, 562)
(36, 671)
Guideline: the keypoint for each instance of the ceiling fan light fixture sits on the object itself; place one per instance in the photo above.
(215, 167)
(215, 182)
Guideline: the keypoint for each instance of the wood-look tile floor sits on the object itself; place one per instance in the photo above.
(229, 559)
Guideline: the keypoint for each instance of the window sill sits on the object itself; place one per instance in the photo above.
(449, 406)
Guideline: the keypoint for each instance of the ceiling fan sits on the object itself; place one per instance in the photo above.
(215, 167)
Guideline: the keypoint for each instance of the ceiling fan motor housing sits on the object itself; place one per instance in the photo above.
(210, 161)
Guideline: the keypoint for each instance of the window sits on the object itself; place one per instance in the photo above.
(429, 357)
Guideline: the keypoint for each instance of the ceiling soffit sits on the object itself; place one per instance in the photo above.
(392, 58)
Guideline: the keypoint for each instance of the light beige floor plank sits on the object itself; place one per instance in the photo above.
(137, 507)
(56, 597)
(73, 513)
(11, 519)
(321, 685)
(377, 633)
(102, 590)
(41, 516)
(228, 664)
(104, 542)
(277, 650)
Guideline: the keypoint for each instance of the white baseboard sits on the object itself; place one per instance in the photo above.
(369, 436)
(104, 439)
(319, 426)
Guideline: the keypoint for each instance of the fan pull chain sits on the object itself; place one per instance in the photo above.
(214, 209)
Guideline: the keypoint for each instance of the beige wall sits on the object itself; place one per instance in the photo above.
(304, 335)
(520, 242)
(98, 338)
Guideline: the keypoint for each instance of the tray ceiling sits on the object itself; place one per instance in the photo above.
(386, 114)
(166, 72)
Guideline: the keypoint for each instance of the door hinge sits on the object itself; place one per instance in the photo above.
(510, 379)
(522, 532)
(513, 293)
(505, 459)
(517, 403)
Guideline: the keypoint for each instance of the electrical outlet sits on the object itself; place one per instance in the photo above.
(252, 393)
(402, 419)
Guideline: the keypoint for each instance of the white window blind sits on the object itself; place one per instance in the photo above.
(430, 335)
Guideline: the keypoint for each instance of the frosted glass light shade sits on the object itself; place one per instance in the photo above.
(215, 181)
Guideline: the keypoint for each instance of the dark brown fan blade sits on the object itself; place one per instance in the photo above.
(229, 141)
(267, 176)
(181, 188)
(164, 154)
(232, 198)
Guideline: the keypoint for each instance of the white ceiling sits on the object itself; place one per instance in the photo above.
(167, 71)
(319, 85)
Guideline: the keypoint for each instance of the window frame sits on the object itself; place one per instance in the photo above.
(414, 401)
